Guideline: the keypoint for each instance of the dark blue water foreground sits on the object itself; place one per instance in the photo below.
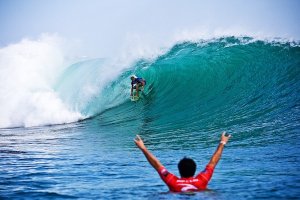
(194, 92)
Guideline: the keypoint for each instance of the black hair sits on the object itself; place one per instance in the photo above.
(187, 167)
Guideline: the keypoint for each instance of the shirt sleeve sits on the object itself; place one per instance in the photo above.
(166, 176)
(206, 174)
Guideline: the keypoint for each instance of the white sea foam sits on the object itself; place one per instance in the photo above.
(204, 34)
(28, 71)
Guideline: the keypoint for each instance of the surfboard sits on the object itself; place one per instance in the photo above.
(134, 97)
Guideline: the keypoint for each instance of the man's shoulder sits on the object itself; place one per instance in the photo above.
(165, 173)
(206, 174)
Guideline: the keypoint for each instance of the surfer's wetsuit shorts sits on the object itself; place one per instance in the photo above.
(196, 183)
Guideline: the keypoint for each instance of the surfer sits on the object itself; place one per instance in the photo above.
(187, 168)
(136, 83)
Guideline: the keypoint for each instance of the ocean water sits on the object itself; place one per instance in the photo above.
(70, 135)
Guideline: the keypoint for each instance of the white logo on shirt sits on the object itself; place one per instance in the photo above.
(187, 187)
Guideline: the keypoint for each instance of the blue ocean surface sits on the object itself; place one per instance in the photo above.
(194, 91)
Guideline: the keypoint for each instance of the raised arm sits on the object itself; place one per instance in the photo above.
(150, 157)
(217, 155)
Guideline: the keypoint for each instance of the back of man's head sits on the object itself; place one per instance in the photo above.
(187, 167)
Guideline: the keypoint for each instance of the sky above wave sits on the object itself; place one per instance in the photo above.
(101, 28)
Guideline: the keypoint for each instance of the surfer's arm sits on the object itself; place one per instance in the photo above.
(217, 155)
(155, 163)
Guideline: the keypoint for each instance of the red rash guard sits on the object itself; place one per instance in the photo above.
(176, 184)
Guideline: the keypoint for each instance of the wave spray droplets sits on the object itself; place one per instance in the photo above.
(28, 71)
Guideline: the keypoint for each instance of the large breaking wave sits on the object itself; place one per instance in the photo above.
(206, 84)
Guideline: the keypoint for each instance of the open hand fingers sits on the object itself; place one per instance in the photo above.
(225, 134)
(137, 138)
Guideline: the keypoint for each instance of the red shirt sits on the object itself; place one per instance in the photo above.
(196, 183)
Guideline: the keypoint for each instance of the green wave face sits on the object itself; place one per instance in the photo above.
(228, 83)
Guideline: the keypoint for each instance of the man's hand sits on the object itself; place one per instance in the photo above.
(139, 142)
(224, 138)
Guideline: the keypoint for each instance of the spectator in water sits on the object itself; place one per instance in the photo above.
(187, 168)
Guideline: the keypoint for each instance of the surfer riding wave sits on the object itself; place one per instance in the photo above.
(138, 84)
